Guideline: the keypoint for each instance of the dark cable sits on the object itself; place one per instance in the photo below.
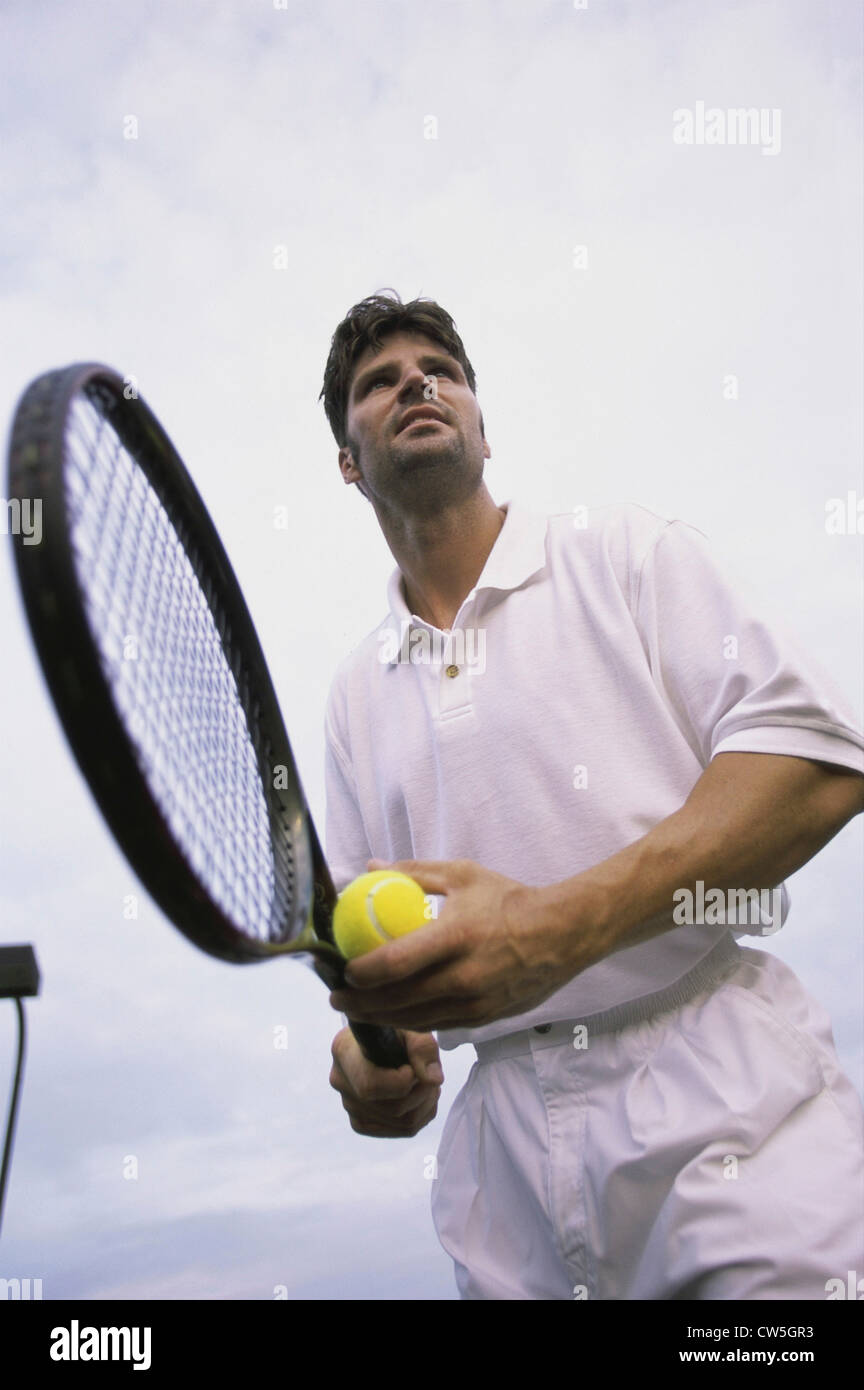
(13, 1106)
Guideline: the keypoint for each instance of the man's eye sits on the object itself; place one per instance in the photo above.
(384, 381)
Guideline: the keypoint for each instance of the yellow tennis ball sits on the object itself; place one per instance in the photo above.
(376, 908)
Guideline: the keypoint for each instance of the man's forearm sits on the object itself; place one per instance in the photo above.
(750, 821)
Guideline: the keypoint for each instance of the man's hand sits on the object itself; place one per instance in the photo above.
(500, 948)
(384, 1103)
(497, 949)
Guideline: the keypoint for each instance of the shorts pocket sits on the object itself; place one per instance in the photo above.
(726, 1067)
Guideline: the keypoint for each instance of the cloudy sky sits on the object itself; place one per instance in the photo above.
(195, 193)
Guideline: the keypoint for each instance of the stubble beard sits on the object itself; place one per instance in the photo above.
(426, 476)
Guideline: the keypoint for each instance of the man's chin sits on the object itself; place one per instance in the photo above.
(432, 480)
(406, 459)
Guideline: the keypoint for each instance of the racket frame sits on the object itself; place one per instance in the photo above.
(53, 601)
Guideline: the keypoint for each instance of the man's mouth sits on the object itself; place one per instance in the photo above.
(418, 417)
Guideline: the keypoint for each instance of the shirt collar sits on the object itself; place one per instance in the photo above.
(518, 554)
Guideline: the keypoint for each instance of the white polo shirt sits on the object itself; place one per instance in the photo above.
(590, 677)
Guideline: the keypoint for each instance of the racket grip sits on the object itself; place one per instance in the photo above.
(383, 1047)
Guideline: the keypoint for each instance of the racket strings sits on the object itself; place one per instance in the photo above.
(173, 687)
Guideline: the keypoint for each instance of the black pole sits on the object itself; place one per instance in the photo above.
(19, 975)
(13, 1106)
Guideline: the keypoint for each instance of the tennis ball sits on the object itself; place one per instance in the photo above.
(376, 908)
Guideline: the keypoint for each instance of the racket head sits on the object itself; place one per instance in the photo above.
(158, 677)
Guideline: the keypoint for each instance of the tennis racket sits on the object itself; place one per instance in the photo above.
(160, 682)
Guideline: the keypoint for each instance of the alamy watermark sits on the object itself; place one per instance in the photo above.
(77, 1343)
(21, 1290)
(744, 907)
(852, 1287)
(424, 646)
(22, 516)
(737, 125)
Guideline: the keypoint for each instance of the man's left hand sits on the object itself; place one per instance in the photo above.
(497, 948)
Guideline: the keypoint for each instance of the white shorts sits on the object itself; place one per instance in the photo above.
(714, 1150)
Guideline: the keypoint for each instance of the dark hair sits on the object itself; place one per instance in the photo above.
(366, 326)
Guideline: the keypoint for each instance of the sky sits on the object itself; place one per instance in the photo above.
(195, 194)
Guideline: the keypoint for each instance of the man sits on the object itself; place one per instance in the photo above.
(580, 739)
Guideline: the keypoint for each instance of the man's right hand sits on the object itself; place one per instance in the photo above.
(388, 1104)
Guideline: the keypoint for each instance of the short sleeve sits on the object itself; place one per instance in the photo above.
(732, 683)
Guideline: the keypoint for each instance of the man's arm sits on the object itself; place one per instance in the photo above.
(500, 948)
(750, 821)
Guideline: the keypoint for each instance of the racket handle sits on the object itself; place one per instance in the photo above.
(383, 1047)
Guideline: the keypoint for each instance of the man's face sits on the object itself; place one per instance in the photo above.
(413, 426)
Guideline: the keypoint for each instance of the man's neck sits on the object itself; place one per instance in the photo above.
(442, 556)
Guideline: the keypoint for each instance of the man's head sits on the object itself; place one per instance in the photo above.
(388, 359)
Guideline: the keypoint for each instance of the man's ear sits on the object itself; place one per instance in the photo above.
(347, 466)
(487, 452)
(349, 470)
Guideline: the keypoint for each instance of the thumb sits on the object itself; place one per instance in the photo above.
(423, 1054)
(433, 875)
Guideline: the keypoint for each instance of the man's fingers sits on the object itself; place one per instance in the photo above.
(384, 1112)
(383, 1102)
(461, 1011)
(435, 994)
(420, 953)
(351, 1070)
(424, 1056)
(358, 1075)
(433, 875)
(395, 1129)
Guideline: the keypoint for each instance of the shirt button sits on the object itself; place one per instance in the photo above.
(543, 1028)
(452, 671)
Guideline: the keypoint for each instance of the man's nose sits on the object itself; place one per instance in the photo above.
(414, 382)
